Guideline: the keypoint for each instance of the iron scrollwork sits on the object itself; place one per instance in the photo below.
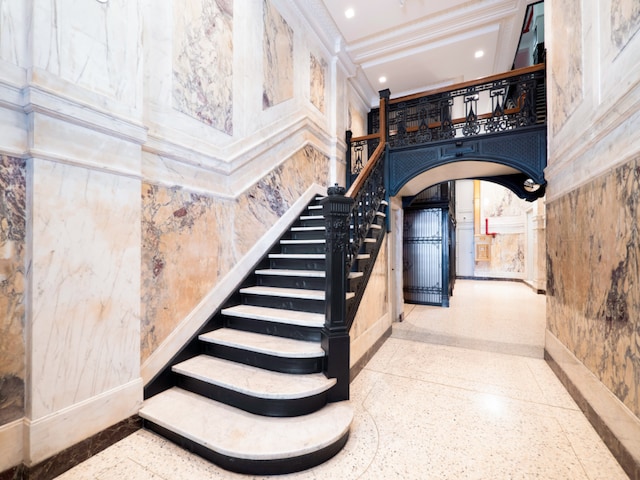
(507, 103)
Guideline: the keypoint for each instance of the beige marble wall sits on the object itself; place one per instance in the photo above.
(506, 215)
(12, 288)
(566, 83)
(203, 61)
(373, 317)
(190, 241)
(593, 266)
(593, 257)
(318, 75)
(278, 57)
(152, 171)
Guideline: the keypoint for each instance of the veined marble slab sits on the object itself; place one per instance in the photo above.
(254, 381)
(255, 437)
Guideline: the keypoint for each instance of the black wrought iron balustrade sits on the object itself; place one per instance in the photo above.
(359, 150)
(499, 103)
(349, 215)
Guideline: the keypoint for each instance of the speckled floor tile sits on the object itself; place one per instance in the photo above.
(429, 410)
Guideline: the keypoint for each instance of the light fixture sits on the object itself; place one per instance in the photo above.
(531, 186)
(349, 13)
(382, 79)
(479, 54)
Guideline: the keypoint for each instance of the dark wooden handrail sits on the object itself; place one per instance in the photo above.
(377, 153)
(371, 136)
(470, 83)
(371, 163)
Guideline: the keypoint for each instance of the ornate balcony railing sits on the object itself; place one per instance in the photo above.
(498, 103)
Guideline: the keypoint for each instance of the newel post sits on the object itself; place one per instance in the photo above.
(349, 136)
(335, 334)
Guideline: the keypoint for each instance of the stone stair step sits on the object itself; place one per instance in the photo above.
(253, 381)
(303, 242)
(266, 344)
(295, 293)
(308, 229)
(245, 442)
(284, 272)
(278, 315)
(305, 273)
(299, 256)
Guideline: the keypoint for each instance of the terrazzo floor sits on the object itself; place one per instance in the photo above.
(455, 393)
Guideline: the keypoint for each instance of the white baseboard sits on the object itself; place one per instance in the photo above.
(49, 435)
(615, 423)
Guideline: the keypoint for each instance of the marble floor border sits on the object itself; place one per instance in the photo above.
(614, 422)
(76, 454)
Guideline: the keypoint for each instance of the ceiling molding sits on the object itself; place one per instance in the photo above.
(414, 49)
(320, 21)
(432, 29)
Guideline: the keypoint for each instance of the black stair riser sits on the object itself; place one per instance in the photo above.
(297, 332)
(316, 248)
(306, 235)
(269, 407)
(319, 222)
(268, 362)
(278, 466)
(297, 264)
(305, 283)
(354, 284)
(298, 304)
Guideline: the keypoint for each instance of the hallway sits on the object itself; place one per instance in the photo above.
(457, 393)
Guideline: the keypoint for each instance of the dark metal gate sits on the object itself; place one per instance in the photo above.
(425, 256)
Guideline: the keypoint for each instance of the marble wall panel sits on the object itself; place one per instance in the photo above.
(95, 45)
(356, 121)
(277, 58)
(593, 270)
(191, 241)
(375, 302)
(12, 283)
(566, 58)
(625, 21)
(184, 252)
(203, 61)
(13, 32)
(507, 257)
(505, 212)
(318, 74)
(84, 280)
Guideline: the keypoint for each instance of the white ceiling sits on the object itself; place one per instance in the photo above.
(418, 44)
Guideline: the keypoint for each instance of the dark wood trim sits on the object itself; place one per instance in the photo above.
(471, 83)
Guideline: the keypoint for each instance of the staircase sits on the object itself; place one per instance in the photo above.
(250, 394)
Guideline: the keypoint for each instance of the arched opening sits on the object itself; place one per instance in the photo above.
(499, 246)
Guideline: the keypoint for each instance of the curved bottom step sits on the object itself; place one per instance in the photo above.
(246, 443)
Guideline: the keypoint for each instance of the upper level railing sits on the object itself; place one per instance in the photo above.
(508, 101)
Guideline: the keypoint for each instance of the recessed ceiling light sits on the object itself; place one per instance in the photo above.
(349, 13)
(382, 79)
(479, 54)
